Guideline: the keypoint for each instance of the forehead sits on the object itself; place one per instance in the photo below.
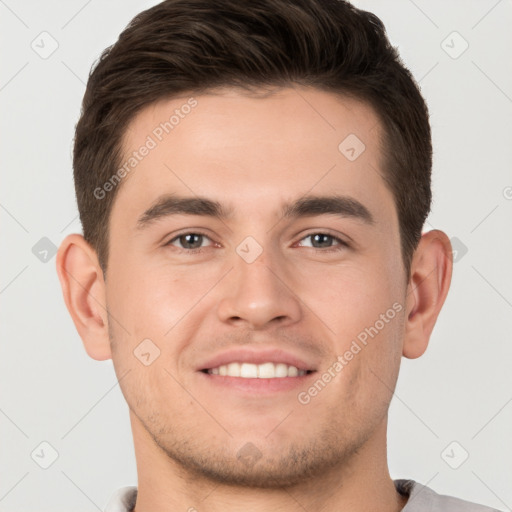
(246, 150)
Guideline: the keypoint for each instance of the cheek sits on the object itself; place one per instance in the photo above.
(152, 391)
(153, 317)
(153, 302)
(363, 310)
(347, 298)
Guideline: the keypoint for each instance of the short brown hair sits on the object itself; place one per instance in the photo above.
(192, 46)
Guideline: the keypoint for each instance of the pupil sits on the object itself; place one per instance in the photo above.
(188, 241)
(322, 239)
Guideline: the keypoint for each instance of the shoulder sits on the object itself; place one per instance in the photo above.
(122, 500)
(424, 499)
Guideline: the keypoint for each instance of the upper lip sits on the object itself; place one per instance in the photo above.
(255, 356)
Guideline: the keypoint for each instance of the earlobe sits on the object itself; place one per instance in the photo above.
(431, 272)
(83, 288)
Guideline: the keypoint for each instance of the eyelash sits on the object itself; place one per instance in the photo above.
(341, 243)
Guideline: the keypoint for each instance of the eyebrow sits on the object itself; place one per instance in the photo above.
(167, 205)
(306, 206)
(343, 206)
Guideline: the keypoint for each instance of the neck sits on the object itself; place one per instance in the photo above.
(360, 484)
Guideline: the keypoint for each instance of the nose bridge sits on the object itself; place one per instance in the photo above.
(257, 292)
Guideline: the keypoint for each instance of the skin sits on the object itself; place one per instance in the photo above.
(253, 154)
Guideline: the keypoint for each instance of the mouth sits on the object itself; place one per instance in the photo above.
(267, 370)
(256, 371)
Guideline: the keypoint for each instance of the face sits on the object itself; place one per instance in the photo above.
(256, 230)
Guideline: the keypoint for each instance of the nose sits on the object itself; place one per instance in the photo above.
(258, 295)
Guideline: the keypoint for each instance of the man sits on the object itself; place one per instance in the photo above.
(252, 180)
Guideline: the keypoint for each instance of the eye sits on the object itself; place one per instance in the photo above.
(323, 241)
(190, 242)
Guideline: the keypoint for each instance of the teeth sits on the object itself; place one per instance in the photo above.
(281, 370)
(267, 370)
(292, 371)
(257, 371)
(248, 371)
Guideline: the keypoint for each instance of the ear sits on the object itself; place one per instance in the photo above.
(431, 273)
(83, 287)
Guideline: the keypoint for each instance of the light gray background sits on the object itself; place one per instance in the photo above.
(460, 390)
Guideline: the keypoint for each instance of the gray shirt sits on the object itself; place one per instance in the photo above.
(421, 499)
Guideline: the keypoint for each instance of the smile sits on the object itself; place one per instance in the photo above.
(267, 370)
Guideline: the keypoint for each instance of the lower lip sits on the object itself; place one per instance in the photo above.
(258, 386)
